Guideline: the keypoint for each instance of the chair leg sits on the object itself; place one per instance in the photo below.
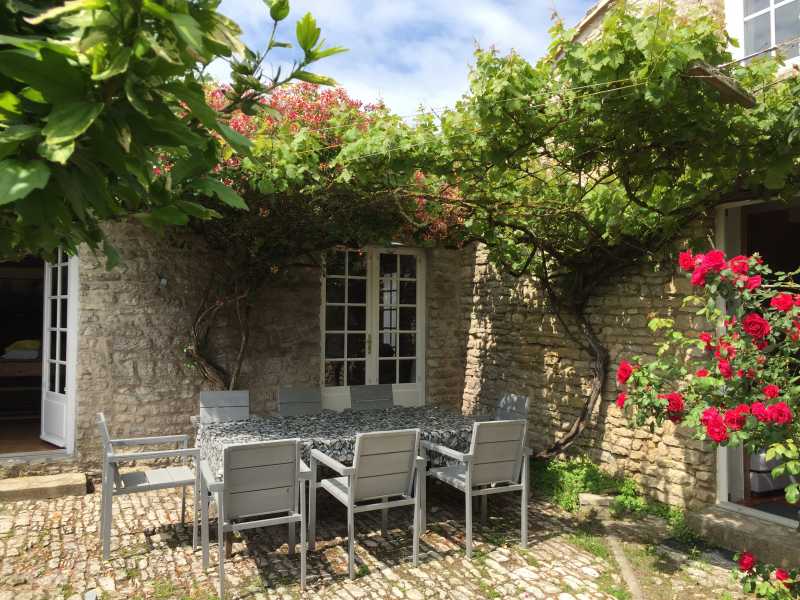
(228, 544)
(204, 522)
(468, 525)
(312, 506)
(106, 512)
(385, 519)
(195, 508)
(484, 509)
(423, 517)
(524, 504)
(183, 505)
(303, 536)
(417, 510)
(291, 539)
(351, 542)
(220, 544)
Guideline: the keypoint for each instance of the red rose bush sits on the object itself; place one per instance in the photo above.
(736, 383)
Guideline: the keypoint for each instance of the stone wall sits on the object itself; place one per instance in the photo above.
(516, 345)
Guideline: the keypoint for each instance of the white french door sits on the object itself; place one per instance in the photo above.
(58, 350)
(373, 323)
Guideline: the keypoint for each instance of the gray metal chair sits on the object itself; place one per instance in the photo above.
(497, 462)
(512, 406)
(258, 480)
(217, 407)
(118, 484)
(387, 472)
(298, 401)
(371, 397)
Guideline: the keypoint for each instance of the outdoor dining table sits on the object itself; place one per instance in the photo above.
(334, 433)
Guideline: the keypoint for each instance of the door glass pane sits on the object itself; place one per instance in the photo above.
(334, 262)
(54, 281)
(408, 318)
(63, 315)
(388, 344)
(334, 318)
(387, 371)
(356, 291)
(753, 6)
(51, 385)
(357, 263)
(334, 345)
(787, 27)
(334, 373)
(388, 264)
(388, 291)
(408, 371)
(408, 344)
(334, 290)
(356, 372)
(53, 345)
(387, 318)
(62, 378)
(408, 292)
(356, 318)
(756, 34)
(53, 313)
(408, 265)
(62, 347)
(64, 280)
(356, 345)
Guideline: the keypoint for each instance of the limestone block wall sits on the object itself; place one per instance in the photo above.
(515, 344)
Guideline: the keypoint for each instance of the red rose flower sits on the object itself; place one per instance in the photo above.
(624, 371)
(709, 414)
(675, 406)
(782, 575)
(755, 325)
(759, 411)
(717, 431)
(783, 302)
(753, 282)
(746, 561)
(739, 264)
(713, 261)
(699, 276)
(797, 299)
(701, 373)
(724, 368)
(735, 418)
(779, 413)
(707, 338)
(771, 391)
(621, 398)
(686, 261)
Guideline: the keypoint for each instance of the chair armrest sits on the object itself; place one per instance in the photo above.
(190, 452)
(421, 462)
(305, 470)
(151, 441)
(332, 463)
(211, 482)
(445, 451)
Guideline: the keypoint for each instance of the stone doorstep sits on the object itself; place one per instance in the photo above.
(41, 487)
(769, 542)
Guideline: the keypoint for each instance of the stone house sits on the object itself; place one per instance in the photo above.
(451, 331)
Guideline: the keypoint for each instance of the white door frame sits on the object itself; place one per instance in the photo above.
(406, 394)
(71, 351)
(731, 244)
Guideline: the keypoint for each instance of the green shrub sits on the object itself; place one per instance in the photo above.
(562, 480)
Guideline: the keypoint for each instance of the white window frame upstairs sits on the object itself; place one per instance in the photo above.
(735, 19)
(406, 394)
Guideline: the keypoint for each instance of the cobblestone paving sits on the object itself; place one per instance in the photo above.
(50, 549)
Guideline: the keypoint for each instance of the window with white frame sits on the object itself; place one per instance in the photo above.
(762, 24)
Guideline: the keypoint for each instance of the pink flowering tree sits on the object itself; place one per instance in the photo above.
(736, 383)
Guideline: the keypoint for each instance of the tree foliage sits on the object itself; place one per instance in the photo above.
(95, 93)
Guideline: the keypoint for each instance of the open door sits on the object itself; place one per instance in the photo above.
(57, 349)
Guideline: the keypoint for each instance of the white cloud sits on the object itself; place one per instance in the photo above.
(411, 52)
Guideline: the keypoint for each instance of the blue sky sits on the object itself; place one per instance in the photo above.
(410, 53)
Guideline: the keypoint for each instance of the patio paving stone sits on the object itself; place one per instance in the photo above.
(50, 549)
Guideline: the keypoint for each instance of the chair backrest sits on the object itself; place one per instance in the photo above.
(371, 397)
(260, 478)
(294, 401)
(497, 451)
(216, 407)
(105, 438)
(384, 463)
(511, 407)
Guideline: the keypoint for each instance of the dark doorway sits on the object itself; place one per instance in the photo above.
(21, 323)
